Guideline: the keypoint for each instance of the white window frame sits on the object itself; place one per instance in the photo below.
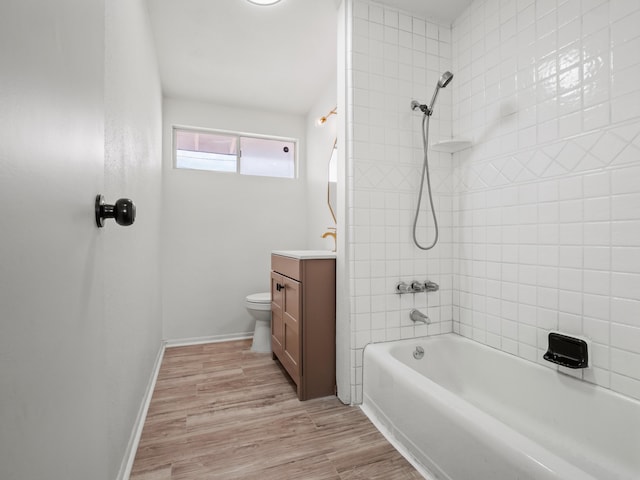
(238, 135)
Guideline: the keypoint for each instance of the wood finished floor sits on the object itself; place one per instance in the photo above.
(220, 411)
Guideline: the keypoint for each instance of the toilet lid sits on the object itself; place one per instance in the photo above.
(259, 298)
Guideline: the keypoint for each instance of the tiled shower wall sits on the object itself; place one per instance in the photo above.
(540, 219)
(392, 58)
(546, 216)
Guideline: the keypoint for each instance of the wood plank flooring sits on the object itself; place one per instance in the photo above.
(220, 411)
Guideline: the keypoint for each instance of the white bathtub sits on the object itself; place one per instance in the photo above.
(469, 412)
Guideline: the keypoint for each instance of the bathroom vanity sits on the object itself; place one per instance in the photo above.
(303, 319)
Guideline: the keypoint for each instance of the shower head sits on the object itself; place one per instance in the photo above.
(445, 79)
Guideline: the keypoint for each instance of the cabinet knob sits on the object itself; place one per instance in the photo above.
(279, 287)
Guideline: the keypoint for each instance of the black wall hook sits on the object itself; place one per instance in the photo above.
(123, 211)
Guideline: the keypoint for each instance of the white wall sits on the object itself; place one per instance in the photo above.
(320, 140)
(133, 161)
(218, 229)
(392, 58)
(79, 321)
(547, 223)
(52, 371)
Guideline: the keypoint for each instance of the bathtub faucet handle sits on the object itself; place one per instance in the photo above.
(431, 286)
(417, 286)
(403, 287)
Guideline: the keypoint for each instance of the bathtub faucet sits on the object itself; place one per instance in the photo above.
(418, 316)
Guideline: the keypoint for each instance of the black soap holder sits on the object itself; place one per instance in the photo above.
(570, 352)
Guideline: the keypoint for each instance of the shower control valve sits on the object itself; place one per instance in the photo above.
(403, 287)
(431, 286)
(416, 287)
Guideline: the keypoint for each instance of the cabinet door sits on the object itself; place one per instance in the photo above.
(277, 323)
(291, 315)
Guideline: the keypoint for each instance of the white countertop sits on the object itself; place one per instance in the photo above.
(305, 254)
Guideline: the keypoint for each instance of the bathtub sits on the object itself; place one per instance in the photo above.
(470, 412)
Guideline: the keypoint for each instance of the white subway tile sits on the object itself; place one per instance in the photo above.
(547, 319)
(597, 282)
(597, 209)
(419, 26)
(596, 330)
(597, 306)
(626, 311)
(570, 279)
(597, 184)
(625, 285)
(599, 376)
(625, 233)
(625, 55)
(570, 323)
(597, 258)
(626, 28)
(361, 10)
(595, 19)
(570, 302)
(376, 13)
(625, 363)
(571, 234)
(599, 116)
(625, 259)
(391, 18)
(625, 180)
(597, 233)
(625, 385)
(405, 22)
(600, 356)
(625, 337)
(626, 207)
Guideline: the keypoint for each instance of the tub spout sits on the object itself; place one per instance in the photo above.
(418, 316)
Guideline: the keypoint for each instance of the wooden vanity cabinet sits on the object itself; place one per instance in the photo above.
(303, 322)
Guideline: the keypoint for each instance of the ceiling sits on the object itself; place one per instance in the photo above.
(279, 58)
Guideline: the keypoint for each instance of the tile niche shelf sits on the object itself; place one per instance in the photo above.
(451, 145)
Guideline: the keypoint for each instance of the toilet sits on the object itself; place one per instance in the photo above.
(259, 306)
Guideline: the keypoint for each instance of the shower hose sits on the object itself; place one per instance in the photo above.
(425, 174)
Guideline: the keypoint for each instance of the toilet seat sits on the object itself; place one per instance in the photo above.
(259, 298)
(259, 301)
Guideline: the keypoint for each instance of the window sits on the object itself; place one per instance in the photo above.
(236, 153)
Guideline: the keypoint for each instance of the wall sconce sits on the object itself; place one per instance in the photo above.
(322, 120)
(123, 211)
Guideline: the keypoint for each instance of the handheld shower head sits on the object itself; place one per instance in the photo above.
(445, 79)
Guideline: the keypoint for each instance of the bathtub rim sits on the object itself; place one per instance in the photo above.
(551, 367)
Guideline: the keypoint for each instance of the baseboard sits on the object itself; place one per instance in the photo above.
(132, 447)
(184, 342)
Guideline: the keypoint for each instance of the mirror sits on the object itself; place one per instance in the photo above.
(332, 184)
